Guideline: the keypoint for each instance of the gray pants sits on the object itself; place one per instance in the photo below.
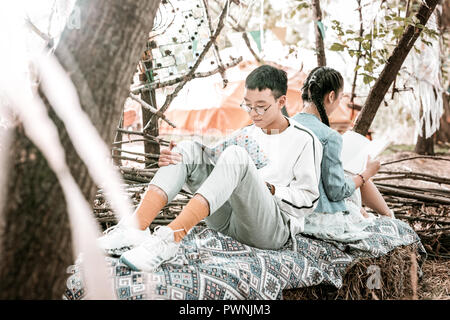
(241, 205)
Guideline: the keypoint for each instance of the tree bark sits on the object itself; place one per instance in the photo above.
(320, 48)
(443, 134)
(391, 68)
(100, 56)
(424, 146)
(149, 96)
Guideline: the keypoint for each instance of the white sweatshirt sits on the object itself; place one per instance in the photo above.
(293, 168)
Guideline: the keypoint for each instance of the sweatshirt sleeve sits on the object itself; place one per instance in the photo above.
(336, 185)
(303, 191)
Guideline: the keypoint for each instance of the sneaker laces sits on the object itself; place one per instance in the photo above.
(156, 240)
(111, 229)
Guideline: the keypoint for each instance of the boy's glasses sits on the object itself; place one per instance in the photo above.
(259, 109)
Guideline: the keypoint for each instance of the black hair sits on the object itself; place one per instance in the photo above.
(320, 81)
(268, 77)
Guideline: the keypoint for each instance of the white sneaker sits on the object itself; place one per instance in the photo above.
(121, 236)
(160, 248)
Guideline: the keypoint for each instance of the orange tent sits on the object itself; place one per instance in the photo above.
(228, 116)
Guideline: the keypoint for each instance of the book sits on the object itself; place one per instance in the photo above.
(356, 148)
(239, 138)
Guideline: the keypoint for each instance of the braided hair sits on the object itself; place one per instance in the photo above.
(320, 81)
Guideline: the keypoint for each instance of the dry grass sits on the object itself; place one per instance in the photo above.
(398, 280)
(435, 283)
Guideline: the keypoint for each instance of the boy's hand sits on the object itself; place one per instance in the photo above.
(167, 157)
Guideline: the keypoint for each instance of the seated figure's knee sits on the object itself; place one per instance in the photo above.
(235, 155)
(191, 151)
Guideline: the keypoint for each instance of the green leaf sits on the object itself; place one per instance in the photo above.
(366, 45)
(398, 31)
(302, 6)
(367, 78)
(337, 47)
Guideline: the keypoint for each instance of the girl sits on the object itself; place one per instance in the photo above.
(339, 214)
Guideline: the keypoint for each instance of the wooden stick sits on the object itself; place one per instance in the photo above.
(416, 157)
(139, 133)
(416, 175)
(134, 140)
(395, 191)
(132, 159)
(146, 155)
(413, 218)
(427, 190)
(152, 110)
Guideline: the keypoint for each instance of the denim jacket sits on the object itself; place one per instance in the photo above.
(334, 186)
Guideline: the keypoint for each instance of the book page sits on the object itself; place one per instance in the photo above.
(356, 148)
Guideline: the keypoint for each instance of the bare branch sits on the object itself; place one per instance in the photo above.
(215, 46)
(150, 86)
(152, 110)
(190, 75)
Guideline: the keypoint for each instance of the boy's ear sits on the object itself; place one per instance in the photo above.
(282, 101)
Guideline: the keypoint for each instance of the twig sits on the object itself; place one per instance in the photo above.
(139, 133)
(132, 159)
(134, 140)
(215, 46)
(146, 155)
(135, 171)
(133, 178)
(414, 195)
(45, 37)
(361, 32)
(197, 63)
(413, 218)
(415, 175)
(158, 85)
(438, 230)
(415, 157)
(152, 110)
(239, 28)
(444, 192)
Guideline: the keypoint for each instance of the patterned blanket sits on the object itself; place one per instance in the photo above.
(211, 265)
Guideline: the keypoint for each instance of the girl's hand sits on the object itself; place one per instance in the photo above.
(167, 157)
(372, 167)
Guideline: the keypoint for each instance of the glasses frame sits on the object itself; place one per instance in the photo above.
(249, 109)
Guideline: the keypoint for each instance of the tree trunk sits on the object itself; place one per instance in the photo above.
(391, 68)
(149, 96)
(425, 146)
(100, 55)
(320, 48)
(443, 134)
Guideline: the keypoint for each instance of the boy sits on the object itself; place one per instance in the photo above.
(260, 207)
